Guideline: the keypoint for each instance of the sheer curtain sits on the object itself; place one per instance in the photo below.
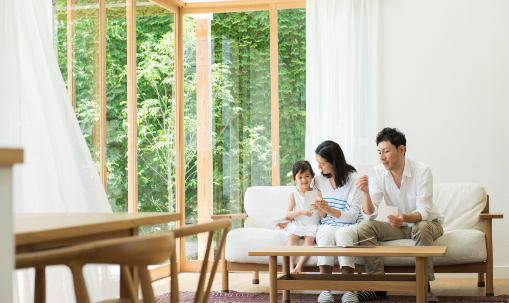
(341, 93)
(58, 174)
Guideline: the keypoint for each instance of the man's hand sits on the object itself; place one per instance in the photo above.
(322, 204)
(396, 222)
(363, 184)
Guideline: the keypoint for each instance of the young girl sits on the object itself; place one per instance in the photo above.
(305, 222)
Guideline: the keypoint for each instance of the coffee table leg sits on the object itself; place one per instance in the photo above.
(421, 272)
(286, 271)
(273, 278)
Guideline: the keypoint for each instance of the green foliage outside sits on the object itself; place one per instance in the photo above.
(241, 102)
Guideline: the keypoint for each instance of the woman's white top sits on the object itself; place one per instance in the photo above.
(303, 225)
(348, 199)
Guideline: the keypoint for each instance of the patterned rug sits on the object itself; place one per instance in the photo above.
(248, 297)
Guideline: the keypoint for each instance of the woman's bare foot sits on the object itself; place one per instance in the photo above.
(297, 269)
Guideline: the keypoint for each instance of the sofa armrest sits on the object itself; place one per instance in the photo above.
(229, 216)
(491, 216)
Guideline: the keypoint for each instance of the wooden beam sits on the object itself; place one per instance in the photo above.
(160, 272)
(177, 3)
(102, 92)
(287, 5)
(132, 108)
(179, 130)
(204, 127)
(225, 9)
(167, 4)
(71, 80)
(240, 6)
(195, 266)
(226, 4)
(274, 94)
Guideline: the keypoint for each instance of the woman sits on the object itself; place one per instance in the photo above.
(342, 202)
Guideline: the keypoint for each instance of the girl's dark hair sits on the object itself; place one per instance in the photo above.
(301, 166)
(332, 153)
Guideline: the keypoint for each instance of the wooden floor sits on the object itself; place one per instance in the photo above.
(241, 282)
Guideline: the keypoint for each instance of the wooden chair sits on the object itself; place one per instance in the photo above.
(130, 253)
(202, 293)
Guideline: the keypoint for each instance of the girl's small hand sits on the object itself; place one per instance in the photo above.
(314, 206)
(306, 212)
(282, 225)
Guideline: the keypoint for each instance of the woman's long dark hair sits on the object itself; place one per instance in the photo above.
(332, 153)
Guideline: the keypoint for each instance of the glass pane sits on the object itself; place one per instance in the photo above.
(84, 57)
(116, 103)
(292, 89)
(241, 113)
(60, 35)
(156, 109)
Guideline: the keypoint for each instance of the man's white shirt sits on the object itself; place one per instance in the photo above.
(415, 193)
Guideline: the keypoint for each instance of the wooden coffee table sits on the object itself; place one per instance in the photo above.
(388, 282)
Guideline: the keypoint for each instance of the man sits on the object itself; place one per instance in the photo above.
(407, 185)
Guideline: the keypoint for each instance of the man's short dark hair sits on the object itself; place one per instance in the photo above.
(392, 135)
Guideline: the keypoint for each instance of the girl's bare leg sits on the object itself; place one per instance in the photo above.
(292, 240)
(308, 241)
(347, 270)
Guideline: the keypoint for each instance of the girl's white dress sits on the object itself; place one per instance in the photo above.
(303, 225)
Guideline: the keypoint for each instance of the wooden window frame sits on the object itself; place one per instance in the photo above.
(179, 9)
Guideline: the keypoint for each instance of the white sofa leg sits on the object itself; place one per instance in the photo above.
(256, 277)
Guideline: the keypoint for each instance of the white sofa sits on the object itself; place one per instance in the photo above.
(467, 234)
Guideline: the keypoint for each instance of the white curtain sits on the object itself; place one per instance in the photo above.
(341, 88)
(58, 174)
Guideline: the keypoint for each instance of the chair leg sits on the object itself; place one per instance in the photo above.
(256, 277)
(489, 283)
(480, 280)
(175, 297)
(489, 260)
(146, 285)
(224, 272)
(80, 288)
(40, 285)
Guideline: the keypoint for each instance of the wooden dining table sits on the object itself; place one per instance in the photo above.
(41, 231)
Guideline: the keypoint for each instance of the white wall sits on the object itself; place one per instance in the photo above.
(444, 82)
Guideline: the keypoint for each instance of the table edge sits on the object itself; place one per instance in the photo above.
(27, 238)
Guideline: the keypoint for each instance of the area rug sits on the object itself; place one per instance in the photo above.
(249, 297)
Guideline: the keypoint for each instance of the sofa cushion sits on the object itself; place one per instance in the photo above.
(264, 204)
(464, 246)
(242, 240)
(460, 203)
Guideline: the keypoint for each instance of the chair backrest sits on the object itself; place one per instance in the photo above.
(202, 293)
(266, 203)
(461, 204)
(128, 252)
